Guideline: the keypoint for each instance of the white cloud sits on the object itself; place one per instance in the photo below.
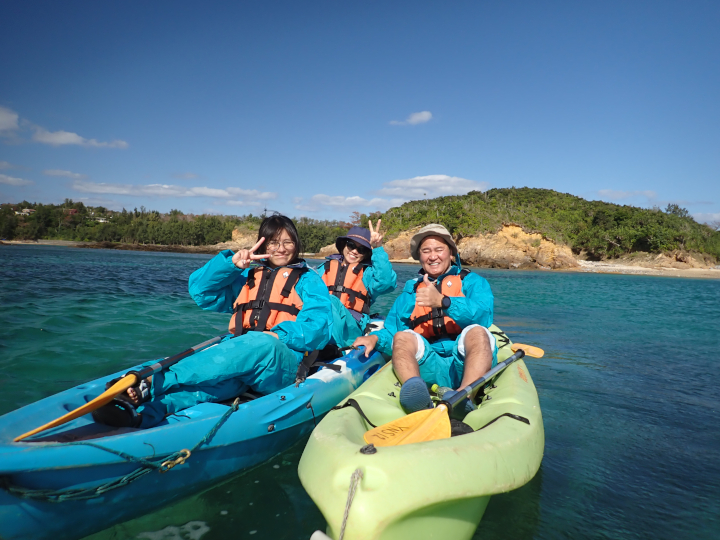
(165, 190)
(339, 201)
(615, 195)
(252, 193)
(8, 120)
(414, 119)
(60, 138)
(10, 123)
(396, 193)
(430, 186)
(66, 174)
(6, 165)
(243, 203)
(708, 218)
(12, 181)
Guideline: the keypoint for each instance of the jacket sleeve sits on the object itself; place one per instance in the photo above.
(379, 278)
(312, 328)
(216, 285)
(396, 320)
(476, 307)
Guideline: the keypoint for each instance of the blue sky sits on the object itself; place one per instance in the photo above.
(323, 108)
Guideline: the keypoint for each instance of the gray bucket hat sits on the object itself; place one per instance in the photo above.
(434, 229)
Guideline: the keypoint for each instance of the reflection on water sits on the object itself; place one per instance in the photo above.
(628, 390)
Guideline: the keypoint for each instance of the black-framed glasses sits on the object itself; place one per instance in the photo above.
(362, 250)
(274, 245)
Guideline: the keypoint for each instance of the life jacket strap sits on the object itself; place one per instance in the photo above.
(309, 361)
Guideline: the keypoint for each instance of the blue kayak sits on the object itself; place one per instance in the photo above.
(82, 477)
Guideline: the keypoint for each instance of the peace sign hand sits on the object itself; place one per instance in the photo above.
(375, 235)
(244, 257)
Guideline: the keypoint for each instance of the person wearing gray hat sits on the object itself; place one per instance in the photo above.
(437, 329)
(355, 277)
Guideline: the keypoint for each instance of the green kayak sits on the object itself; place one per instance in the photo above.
(434, 489)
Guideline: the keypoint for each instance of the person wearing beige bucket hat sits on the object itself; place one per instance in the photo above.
(437, 329)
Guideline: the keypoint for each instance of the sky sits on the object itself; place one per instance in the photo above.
(321, 108)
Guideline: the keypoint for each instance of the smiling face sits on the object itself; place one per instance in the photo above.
(435, 256)
(354, 253)
(281, 249)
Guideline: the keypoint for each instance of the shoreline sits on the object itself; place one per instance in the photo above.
(595, 267)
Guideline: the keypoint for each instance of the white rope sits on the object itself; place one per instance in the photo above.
(354, 481)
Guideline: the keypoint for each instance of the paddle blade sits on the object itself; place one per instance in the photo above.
(103, 399)
(416, 427)
(535, 352)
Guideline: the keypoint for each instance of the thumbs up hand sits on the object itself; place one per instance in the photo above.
(428, 296)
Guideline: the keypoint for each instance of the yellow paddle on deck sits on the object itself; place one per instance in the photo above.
(434, 423)
(129, 380)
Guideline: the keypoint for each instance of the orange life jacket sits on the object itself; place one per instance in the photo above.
(267, 299)
(346, 283)
(433, 323)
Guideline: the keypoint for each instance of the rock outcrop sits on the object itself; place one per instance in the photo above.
(511, 247)
(327, 251)
(398, 249)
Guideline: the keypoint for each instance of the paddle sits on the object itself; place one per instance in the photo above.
(434, 423)
(130, 379)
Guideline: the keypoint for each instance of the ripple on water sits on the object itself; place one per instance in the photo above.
(627, 387)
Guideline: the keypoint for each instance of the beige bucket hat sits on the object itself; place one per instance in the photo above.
(434, 229)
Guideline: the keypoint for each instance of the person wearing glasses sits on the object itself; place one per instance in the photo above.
(355, 277)
(280, 310)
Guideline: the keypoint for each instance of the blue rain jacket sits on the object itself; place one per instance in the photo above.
(379, 278)
(476, 307)
(254, 360)
(216, 286)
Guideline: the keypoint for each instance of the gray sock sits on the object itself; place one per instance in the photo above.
(414, 395)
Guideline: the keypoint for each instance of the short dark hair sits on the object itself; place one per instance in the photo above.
(272, 227)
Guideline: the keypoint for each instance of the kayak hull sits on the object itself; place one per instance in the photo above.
(257, 431)
(433, 489)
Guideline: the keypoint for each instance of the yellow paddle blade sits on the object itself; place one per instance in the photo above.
(535, 352)
(416, 427)
(103, 399)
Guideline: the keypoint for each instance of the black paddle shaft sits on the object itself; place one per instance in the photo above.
(170, 360)
(465, 392)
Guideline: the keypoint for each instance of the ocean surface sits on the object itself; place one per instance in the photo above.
(629, 390)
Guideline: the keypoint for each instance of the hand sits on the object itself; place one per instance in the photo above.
(269, 333)
(375, 235)
(244, 257)
(429, 296)
(368, 342)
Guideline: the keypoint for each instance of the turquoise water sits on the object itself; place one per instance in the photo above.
(628, 388)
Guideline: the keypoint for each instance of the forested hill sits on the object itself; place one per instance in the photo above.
(598, 228)
(75, 221)
(601, 229)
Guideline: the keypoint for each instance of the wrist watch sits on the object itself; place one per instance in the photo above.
(446, 302)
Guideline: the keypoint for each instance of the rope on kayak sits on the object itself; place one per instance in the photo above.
(146, 465)
(354, 481)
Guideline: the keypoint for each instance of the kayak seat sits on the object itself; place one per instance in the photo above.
(245, 397)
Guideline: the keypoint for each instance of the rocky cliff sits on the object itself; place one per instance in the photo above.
(511, 247)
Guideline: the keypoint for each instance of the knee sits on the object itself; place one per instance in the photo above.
(477, 339)
(405, 342)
